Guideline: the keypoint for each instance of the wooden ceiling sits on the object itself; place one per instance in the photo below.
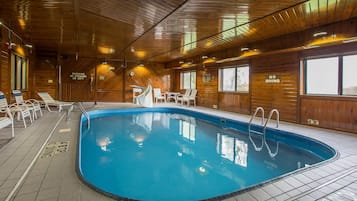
(161, 30)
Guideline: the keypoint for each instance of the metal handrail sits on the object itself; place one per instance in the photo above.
(271, 154)
(255, 145)
(84, 112)
(270, 116)
(254, 115)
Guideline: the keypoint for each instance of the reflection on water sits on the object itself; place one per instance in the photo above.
(144, 120)
(232, 149)
(103, 143)
(263, 143)
(187, 130)
(170, 154)
(141, 127)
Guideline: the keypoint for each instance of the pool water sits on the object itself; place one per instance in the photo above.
(174, 155)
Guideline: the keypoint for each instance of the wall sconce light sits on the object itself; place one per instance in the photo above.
(132, 49)
(272, 79)
(321, 33)
(244, 49)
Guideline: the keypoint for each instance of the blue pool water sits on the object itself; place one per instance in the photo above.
(175, 154)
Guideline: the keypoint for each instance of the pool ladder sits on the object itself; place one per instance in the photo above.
(84, 112)
(264, 124)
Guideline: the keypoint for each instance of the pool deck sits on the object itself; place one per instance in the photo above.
(39, 163)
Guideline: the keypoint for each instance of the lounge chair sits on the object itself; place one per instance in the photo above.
(33, 104)
(158, 95)
(181, 96)
(20, 110)
(189, 98)
(7, 119)
(49, 101)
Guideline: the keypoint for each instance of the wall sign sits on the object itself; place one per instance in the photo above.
(272, 79)
(78, 76)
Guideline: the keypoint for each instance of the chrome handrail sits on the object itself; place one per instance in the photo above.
(84, 112)
(270, 116)
(254, 116)
(264, 142)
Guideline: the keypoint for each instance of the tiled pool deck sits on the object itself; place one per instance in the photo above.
(52, 176)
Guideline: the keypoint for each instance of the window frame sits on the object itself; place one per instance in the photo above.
(339, 76)
(182, 79)
(221, 79)
(19, 75)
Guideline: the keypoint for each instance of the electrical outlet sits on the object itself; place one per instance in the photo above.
(214, 106)
(310, 121)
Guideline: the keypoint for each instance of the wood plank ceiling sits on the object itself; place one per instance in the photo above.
(161, 30)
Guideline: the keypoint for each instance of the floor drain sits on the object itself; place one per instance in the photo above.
(54, 148)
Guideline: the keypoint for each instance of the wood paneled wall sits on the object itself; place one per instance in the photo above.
(282, 96)
(78, 90)
(331, 112)
(207, 90)
(44, 76)
(4, 71)
(234, 102)
(111, 82)
(4, 66)
(338, 113)
(156, 74)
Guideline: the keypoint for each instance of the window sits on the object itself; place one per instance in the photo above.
(331, 75)
(188, 80)
(349, 84)
(19, 72)
(326, 84)
(234, 79)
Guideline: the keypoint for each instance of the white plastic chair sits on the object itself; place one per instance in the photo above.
(158, 95)
(181, 96)
(191, 97)
(33, 104)
(22, 111)
(7, 120)
(49, 101)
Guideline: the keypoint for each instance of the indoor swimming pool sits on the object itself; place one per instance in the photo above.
(176, 154)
